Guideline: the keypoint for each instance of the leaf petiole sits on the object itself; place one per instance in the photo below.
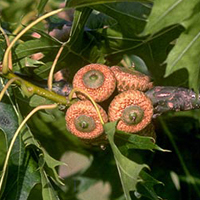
(50, 78)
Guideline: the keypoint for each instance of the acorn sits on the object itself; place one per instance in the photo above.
(97, 80)
(133, 109)
(131, 79)
(83, 121)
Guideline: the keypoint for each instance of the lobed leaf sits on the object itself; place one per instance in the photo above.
(48, 192)
(48, 163)
(167, 13)
(22, 173)
(134, 141)
(185, 54)
(130, 18)
(129, 171)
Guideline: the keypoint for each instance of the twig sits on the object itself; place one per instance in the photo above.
(40, 91)
(168, 98)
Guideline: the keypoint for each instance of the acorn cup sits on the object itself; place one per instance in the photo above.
(133, 109)
(128, 79)
(97, 80)
(83, 121)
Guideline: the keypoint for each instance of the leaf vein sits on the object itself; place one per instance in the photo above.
(123, 13)
(186, 49)
(167, 11)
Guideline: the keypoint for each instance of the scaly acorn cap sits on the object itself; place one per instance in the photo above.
(128, 79)
(133, 108)
(83, 121)
(96, 79)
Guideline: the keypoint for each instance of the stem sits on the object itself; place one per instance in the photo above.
(39, 91)
(90, 98)
(5, 59)
(11, 101)
(7, 85)
(50, 78)
(8, 44)
(52, 106)
(186, 171)
(25, 19)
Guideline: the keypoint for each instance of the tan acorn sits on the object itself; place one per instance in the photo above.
(83, 121)
(97, 80)
(131, 79)
(133, 109)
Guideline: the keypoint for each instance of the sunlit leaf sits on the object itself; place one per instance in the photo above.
(185, 54)
(167, 13)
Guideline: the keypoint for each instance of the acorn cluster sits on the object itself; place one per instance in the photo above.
(129, 105)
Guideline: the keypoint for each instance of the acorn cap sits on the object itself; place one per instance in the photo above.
(131, 79)
(133, 108)
(97, 80)
(83, 121)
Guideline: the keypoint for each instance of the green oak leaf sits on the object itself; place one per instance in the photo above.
(130, 17)
(185, 53)
(132, 174)
(146, 186)
(48, 192)
(167, 13)
(48, 163)
(128, 170)
(134, 141)
(22, 173)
